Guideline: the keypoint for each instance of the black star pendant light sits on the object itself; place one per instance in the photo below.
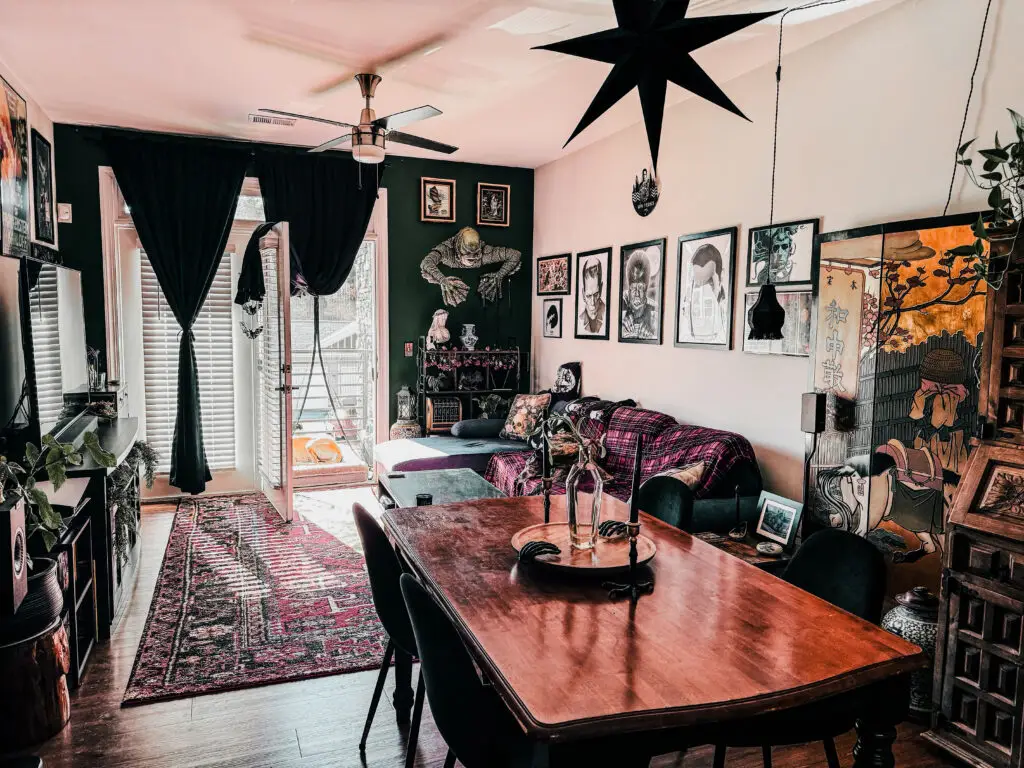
(650, 47)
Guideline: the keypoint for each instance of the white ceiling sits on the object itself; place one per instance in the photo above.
(201, 66)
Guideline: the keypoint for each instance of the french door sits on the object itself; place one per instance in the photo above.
(274, 374)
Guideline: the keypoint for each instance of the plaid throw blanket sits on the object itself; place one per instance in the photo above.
(667, 445)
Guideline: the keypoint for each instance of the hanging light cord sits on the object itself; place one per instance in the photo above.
(778, 88)
(967, 108)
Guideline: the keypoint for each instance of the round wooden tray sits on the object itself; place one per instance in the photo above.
(607, 554)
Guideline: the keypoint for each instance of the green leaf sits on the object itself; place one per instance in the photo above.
(31, 454)
(966, 145)
(994, 176)
(990, 165)
(1018, 120)
(995, 199)
(47, 516)
(49, 441)
(997, 154)
(75, 459)
(966, 162)
(16, 467)
(57, 472)
(49, 539)
(101, 456)
(979, 228)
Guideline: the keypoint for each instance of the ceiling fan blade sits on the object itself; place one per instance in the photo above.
(344, 139)
(416, 141)
(409, 116)
(306, 117)
(334, 82)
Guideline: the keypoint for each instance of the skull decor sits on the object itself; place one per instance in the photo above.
(465, 250)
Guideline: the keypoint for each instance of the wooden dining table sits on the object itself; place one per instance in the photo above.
(716, 641)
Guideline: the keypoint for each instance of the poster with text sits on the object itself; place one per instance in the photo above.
(14, 202)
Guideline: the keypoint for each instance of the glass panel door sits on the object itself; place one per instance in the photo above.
(275, 374)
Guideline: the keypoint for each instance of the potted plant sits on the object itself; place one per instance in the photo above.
(43, 523)
(1002, 176)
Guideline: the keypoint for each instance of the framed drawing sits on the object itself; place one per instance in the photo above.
(704, 282)
(492, 204)
(552, 318)
(796, 331)
(641, 303)
(554, 275)
(42, 187)
(786, 250)
(593, 294)
(14, 198)
(437, 200)
(778, 518)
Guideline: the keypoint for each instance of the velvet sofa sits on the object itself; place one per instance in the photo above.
(728, 459)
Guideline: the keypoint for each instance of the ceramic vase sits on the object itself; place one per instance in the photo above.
(469, 337)
(915, 619)
(584, 517)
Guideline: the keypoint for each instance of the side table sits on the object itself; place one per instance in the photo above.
(746, 550)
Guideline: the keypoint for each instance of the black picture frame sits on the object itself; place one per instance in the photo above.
(15, 198)
(793, 511)
(625, 252)
(812, 257)
(557, 333)
(486, 218)
(567, 258)
(728, 284)
(425, 214)
(585, 260)
(42, 189)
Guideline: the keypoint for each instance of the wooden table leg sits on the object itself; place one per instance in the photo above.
(884, 706)
(403, 698)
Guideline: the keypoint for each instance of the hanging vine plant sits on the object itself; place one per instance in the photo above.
(123, 494)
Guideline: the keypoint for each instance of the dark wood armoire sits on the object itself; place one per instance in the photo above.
(979, 663)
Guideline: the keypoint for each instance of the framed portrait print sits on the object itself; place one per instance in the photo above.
(492, 204)
(796, 330)
(437, 200)
(778, 518)
(786, 250)
(554, 275)
(14, 192)
(552, 318)
(42, 187)
(704, 291)
(642, 283)
(593, 294)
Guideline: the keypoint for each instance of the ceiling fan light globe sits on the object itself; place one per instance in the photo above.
(370, 154)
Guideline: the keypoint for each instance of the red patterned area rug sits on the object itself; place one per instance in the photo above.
(244, 599)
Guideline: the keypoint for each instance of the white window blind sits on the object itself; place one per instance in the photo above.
(212, 331)
(46, 348)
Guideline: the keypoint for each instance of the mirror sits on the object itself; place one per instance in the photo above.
(57, 322)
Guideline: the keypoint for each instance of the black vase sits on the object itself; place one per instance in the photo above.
(41, 607)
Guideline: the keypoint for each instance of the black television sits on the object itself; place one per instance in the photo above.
(42, 343)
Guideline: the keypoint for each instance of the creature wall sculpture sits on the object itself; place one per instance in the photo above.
(465, 250)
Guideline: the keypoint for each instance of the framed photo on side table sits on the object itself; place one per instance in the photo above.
(778, 518)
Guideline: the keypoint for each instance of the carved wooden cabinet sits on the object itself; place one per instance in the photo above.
(979, 664)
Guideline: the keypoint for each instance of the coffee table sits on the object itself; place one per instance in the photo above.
(445, 485)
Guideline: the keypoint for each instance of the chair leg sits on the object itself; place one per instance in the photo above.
(385, 665)
(414, 726)
(719, 756)
(449, 761)
(766, 756)
(830, 753)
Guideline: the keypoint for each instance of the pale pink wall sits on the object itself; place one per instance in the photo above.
(868, 124)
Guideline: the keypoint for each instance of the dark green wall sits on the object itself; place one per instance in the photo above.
(412, 300)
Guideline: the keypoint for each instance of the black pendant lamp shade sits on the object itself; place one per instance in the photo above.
(650, 47)
(767, 316)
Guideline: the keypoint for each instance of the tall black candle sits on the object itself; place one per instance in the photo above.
(543, 453)
(634, 497)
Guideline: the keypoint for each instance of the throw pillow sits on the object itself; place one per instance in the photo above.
(526, 413)
(690, 475)
(568, 382)
(478, 428)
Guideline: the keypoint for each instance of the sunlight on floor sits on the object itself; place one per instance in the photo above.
(332, 510)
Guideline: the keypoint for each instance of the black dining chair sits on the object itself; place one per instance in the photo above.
(384, 569)
(848, 571)
(473, 720)
(669, 500)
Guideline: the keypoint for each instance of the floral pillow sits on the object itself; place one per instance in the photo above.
(526, 413)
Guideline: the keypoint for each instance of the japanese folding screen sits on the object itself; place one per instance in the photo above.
(898, 349)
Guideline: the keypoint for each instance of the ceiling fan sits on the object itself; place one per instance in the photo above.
(369, 138)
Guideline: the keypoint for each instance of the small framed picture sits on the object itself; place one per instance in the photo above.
(554, 275)
(796, 330)
(42, 187)
(778, 518)
(492, 204)
(593, 293)
(552, 318)
(437, 200)
(786, 251)
(641, 303)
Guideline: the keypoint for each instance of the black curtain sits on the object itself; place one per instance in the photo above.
(327, 202)
(182, 196)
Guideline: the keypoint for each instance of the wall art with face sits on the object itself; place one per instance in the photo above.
(593, 293)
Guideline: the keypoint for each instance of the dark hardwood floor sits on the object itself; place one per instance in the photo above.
(308, 724)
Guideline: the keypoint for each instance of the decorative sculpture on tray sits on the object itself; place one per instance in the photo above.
(438, 333)
(465, 250)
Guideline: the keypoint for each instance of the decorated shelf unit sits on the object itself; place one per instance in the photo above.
(450, 380)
